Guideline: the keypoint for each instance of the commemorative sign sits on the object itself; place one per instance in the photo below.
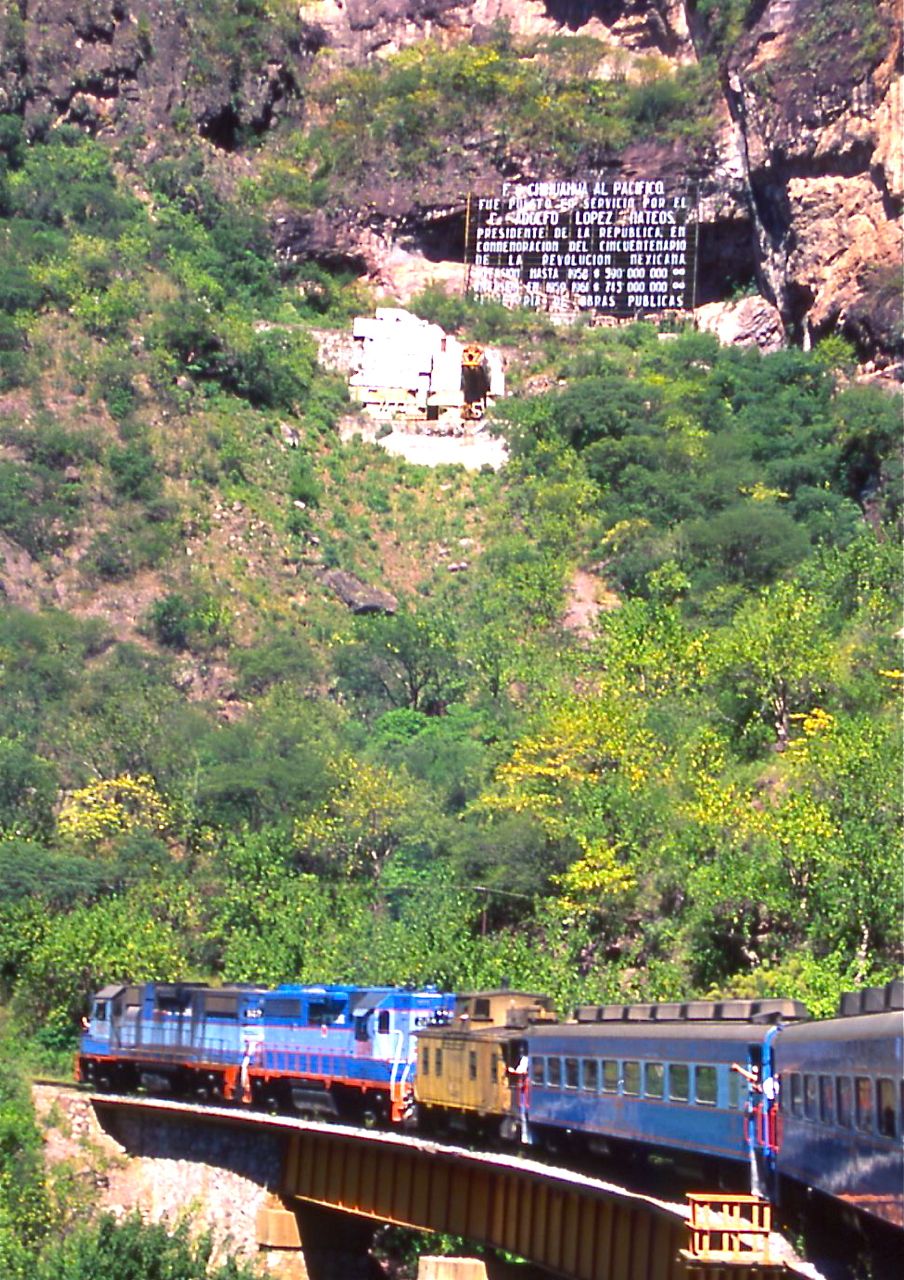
(622, 247)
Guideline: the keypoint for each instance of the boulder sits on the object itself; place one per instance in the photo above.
(747, 322)
(357, 595)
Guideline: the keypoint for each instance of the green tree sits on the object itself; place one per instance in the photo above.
(404, 660)
(28, 789)
(128, 939)
(776, 656)
(24, 1203)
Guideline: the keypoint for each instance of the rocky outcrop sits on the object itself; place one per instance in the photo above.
(815, 91)
(161, 1174)
(747, 322)
(136, 68)
(800, 188)
(357, 595)
(363, 27)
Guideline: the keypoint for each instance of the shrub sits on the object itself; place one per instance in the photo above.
(12, 354)
(194, 621)
(134, 471)
(304, 485)
(132, 1249)
(108, 557)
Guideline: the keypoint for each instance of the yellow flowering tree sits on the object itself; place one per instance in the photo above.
(95, 815)
(361, 823)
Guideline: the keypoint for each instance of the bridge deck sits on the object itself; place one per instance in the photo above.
(571, 1224)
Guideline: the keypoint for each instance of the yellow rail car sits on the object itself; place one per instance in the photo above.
(472, 1071)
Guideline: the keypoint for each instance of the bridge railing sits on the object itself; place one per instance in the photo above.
(729, 1228)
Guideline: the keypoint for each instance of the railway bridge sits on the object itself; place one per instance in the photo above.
(568, 1224)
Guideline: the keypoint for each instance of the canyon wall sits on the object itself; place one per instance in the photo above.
(800, 182)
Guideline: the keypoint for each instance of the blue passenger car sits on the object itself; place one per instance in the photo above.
(661, 1075)
(842, 1104)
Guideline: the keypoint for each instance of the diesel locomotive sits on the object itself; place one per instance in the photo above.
(323, 1052)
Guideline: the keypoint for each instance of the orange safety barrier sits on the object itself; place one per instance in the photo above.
(729, 1228)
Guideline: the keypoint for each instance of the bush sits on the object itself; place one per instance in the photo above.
(134, 470)
(13, 365)
(188, 622)
(304, 485)
(108, 557)
(131, 1249)
(37, 507)
(69, 182)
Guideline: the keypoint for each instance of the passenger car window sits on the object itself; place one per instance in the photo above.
(705, 1086)
(863, 1102)
(472, 1065)
(631, 1072)
(843, 1101)
(591, 1075)
(653, 1079)
(572, 1075)
(425, 1061)
(679, 1082)
(826, 1099)
(797, 1094)
(810, 1104)
(886, 1121)
(554, 1072)
(734, 1090)
(438, 1062)
(610, 1077)
(538, 1070)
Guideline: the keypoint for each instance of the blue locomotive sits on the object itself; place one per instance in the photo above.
(328, 1051)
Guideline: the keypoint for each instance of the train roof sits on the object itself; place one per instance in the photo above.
(888, 1025)
(668, 1032)
(448, 1031)
(722, 1011)
(869, 1000)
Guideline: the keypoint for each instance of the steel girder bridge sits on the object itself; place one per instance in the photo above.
(574, 1226)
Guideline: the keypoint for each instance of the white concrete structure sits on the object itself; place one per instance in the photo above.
(411, 370)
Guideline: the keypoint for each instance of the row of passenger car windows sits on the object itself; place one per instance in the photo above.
(676, 1081)
(851, 1102)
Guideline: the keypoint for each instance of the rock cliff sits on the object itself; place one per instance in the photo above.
(815, 94)
(799, 177)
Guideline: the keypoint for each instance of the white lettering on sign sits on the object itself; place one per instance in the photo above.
(619, 246)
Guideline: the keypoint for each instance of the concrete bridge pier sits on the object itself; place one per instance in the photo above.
(311, 1242)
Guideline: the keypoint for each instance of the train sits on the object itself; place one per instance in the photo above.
(743, 1085)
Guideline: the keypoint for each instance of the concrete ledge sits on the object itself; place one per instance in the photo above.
(429, 1268)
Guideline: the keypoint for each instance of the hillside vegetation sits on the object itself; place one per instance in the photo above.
(210, 768)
